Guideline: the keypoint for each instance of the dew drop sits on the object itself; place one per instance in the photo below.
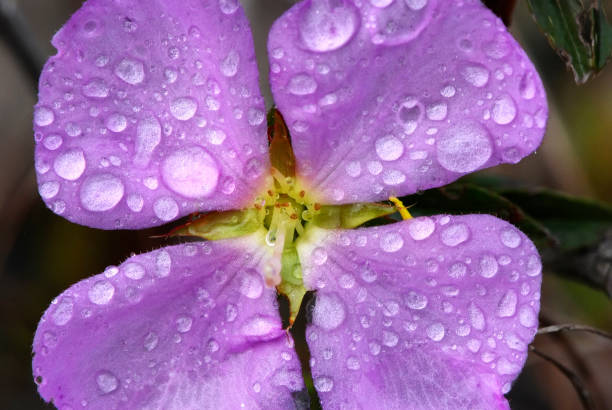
(101, 292)
(261, 327)
(409, 115)
(507, 304)
(476, 74)
(190, 172)
(464, 148)
(421, 228)
(63, 312)
(476, 315)
(391, 242)
(49, 190)
(437, 112)
(527, 316)
(302, 84)
(183, 324)
(70, 165)
(319, 256)
(488, 266)
(150, 341)
(527, 87)
(107, 382)
(163, 263)
(448, 91)
(183, 108)
(251, 285)
(394, 177)
(134, 270)
(228, 6)
(229, 65)
(435, 332)
(534, 266)
(323, 384)
(135, 202)
(389, 148)
(390, 339)
(329, 311)
(504, 110)
(415, 301)
(130, 71)
(116, 122)
(327, 26)
(166, 208)
(53, 142)
(455, 234)
(510, 238)
(101, 192)
(43, 116)
(96, 88)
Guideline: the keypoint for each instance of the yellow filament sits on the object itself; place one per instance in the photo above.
(401, 208)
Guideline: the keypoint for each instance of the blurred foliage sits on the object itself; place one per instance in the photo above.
(579, 32)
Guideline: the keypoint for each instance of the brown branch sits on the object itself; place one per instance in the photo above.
(573, 327)
(583, 393)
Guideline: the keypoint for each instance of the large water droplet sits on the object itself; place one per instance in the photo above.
(148, 137)
(251, 285)
(261, 327)
(166, 208)
(43, 116)
(409, 114)
(49, 190)
(325, 26)
(134, 270)
(391, 242)
(101, 292)
(302, 84)
(437, 112)
(101, 192)
(507, 304)
(229, 65)
(228, 6)
(390, 339)
(191, 172)
(476, 315)
(476, 74)
(488, 266)
(96, 88)
(421, 228)
(130, 71)
(63, 312)
(510, 237)
(389, 148)
(415, 301)
(116, 122)
(534, 266)
(183, 108)
(163, 263)
(329, 311)
(70, 165)
(527, 316)
(402, 21)
(455, 234)
(504, 110)
(464, 148)
(435, 332)
(107, 382)
(183, 324)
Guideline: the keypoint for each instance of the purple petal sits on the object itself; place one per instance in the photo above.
(391, 97)
(149, 111)
(185, 327)
(431, 312)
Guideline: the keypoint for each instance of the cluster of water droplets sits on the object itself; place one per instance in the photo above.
(440, 291)
(133, 132)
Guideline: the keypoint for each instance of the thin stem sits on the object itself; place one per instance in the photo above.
(573, 327)
(583, 393)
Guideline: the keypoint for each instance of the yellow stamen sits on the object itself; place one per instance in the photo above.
(401, 208)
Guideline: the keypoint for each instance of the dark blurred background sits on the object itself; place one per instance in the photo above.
(41, 254)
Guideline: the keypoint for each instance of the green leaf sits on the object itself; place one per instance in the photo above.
(465, 198)
(578, 31)
(575, 222)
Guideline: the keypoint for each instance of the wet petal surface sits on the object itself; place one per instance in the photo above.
(184, 327)
(388, 97)
(430, 313)
(149, 111)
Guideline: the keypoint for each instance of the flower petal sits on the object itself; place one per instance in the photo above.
(427, 313)
(185, 327)
(150, 111)
(390, 97)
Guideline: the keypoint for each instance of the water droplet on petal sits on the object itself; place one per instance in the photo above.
(302, 84)
(228, 6)
(134, 270)
(261, 327)
(166, 208)
(251, 285)
(130, 71)
(229, 65)
(150, 341)
(148, 137)
(421, 228)
(183, 108)
(534, 266)
(183, 324)
(488, 266)
(415, 301)
(464, 148)
(435, 332)
(43, 116)
(327, 26)
(476, 74)
(329, 311)
(437, 112)
(319, 256)
(70, 165)
(49, 190)
(389, 148)
(107, 382)
(504, 110)
(476, 315)
(163, 263)
(190, 172)
(101, 192)
(63, 311)
(455, 234)
(527, 316)
(96, 88)
(135, 202)
(510, 237)
(101, 292)
(527, 86)
(323, 384)
(391, 242)
(116, 122)
(507, 304)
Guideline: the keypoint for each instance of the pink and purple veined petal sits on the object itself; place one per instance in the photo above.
(149, 111)
(388, 97)
(430, 313)
(184, 327)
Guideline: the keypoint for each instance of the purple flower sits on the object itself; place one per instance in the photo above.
(151, 111)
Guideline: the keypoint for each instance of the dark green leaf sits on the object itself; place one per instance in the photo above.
(578, 31)
(465, 198)
(502, 9)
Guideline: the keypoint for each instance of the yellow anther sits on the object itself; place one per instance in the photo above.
(401, 208)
